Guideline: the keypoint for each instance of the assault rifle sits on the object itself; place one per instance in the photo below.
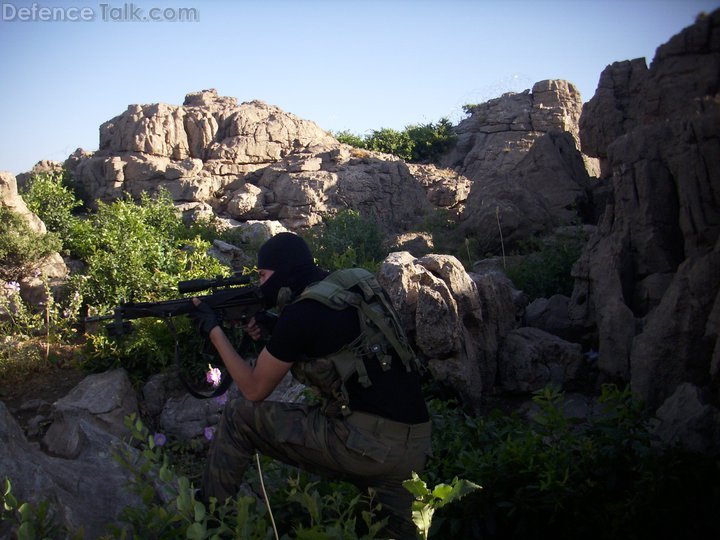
(233, 299)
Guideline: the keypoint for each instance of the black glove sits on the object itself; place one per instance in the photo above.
(204, 318)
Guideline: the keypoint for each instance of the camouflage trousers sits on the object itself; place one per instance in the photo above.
(364, 449)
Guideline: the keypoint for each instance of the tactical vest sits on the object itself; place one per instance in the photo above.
(380, 334)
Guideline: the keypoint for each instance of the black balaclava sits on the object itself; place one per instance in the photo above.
(292, 262)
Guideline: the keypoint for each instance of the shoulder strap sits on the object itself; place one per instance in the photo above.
(334, 292)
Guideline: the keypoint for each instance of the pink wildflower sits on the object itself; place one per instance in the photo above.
(213, 376)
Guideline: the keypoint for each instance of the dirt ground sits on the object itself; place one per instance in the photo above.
(21, 395)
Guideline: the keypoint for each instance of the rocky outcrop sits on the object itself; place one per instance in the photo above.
(255, 162)
(87, 490)
(455, 322)
(499, 132)
(52, 269)
(516, 163)
(11, 199)
(191, 150)
(521, 153)
(649, 279)
(301, 189)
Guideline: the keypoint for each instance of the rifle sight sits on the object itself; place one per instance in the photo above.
(195, 285)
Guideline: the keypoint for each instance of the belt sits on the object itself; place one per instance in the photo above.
(391, 428)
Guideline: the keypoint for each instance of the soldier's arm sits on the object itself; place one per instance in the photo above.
(256, 383)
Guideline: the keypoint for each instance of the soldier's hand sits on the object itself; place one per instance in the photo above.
(253, 329)
(204, 317)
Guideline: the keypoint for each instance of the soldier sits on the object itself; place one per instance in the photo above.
(339, 334)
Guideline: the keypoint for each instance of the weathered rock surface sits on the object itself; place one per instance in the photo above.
(649, 278)
(531, 359)
(456, 321)
(191, 150)
(255, 162)
(52, 269)
(11, 199)
(521, 153)
(88, 490)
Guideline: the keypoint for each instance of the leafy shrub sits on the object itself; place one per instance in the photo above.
(346, 137)
(604, 478)
(53, 201)
(346, 240)
(21, 248)
(546, 269)
(424, 143)
(389, 141)
(431, 141)
(138, 252)
(303, 506)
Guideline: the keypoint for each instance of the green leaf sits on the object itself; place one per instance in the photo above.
(199, 511)
(196, 531)
(416, 486)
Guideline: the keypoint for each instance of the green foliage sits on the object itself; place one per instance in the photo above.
(603, 478)
(424, 143)
(469, 108)
(29, 521)
(428, 500)
(390, 141)
(21, 248)
(32, 336)
(138, 252)
(171, 510)
(430, 141)
(148, 350)
(53, 201)
(346, 137)
(347, 240)
(546, 269)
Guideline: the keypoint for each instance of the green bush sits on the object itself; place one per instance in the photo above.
(21, 248)
(53, 201)
(546, 269)
(346, 137)
(138, 252)
(430, 141)
(389, 141)
(552, 476)
(347, 240)
(424, 143)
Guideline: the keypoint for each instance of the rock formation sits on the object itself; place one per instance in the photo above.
(649, 278)
(52, 268)
(516, 162)
(521, 153)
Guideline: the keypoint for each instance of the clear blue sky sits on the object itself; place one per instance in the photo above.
(344, 64)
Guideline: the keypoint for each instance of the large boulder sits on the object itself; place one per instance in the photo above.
(649, 278)
(52, 269)
(192, 150)
(521, 153)
(88, 491)
(455, 324)
(531, 359)
(11, 199)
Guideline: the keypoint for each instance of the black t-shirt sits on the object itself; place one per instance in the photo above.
(308, 329)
